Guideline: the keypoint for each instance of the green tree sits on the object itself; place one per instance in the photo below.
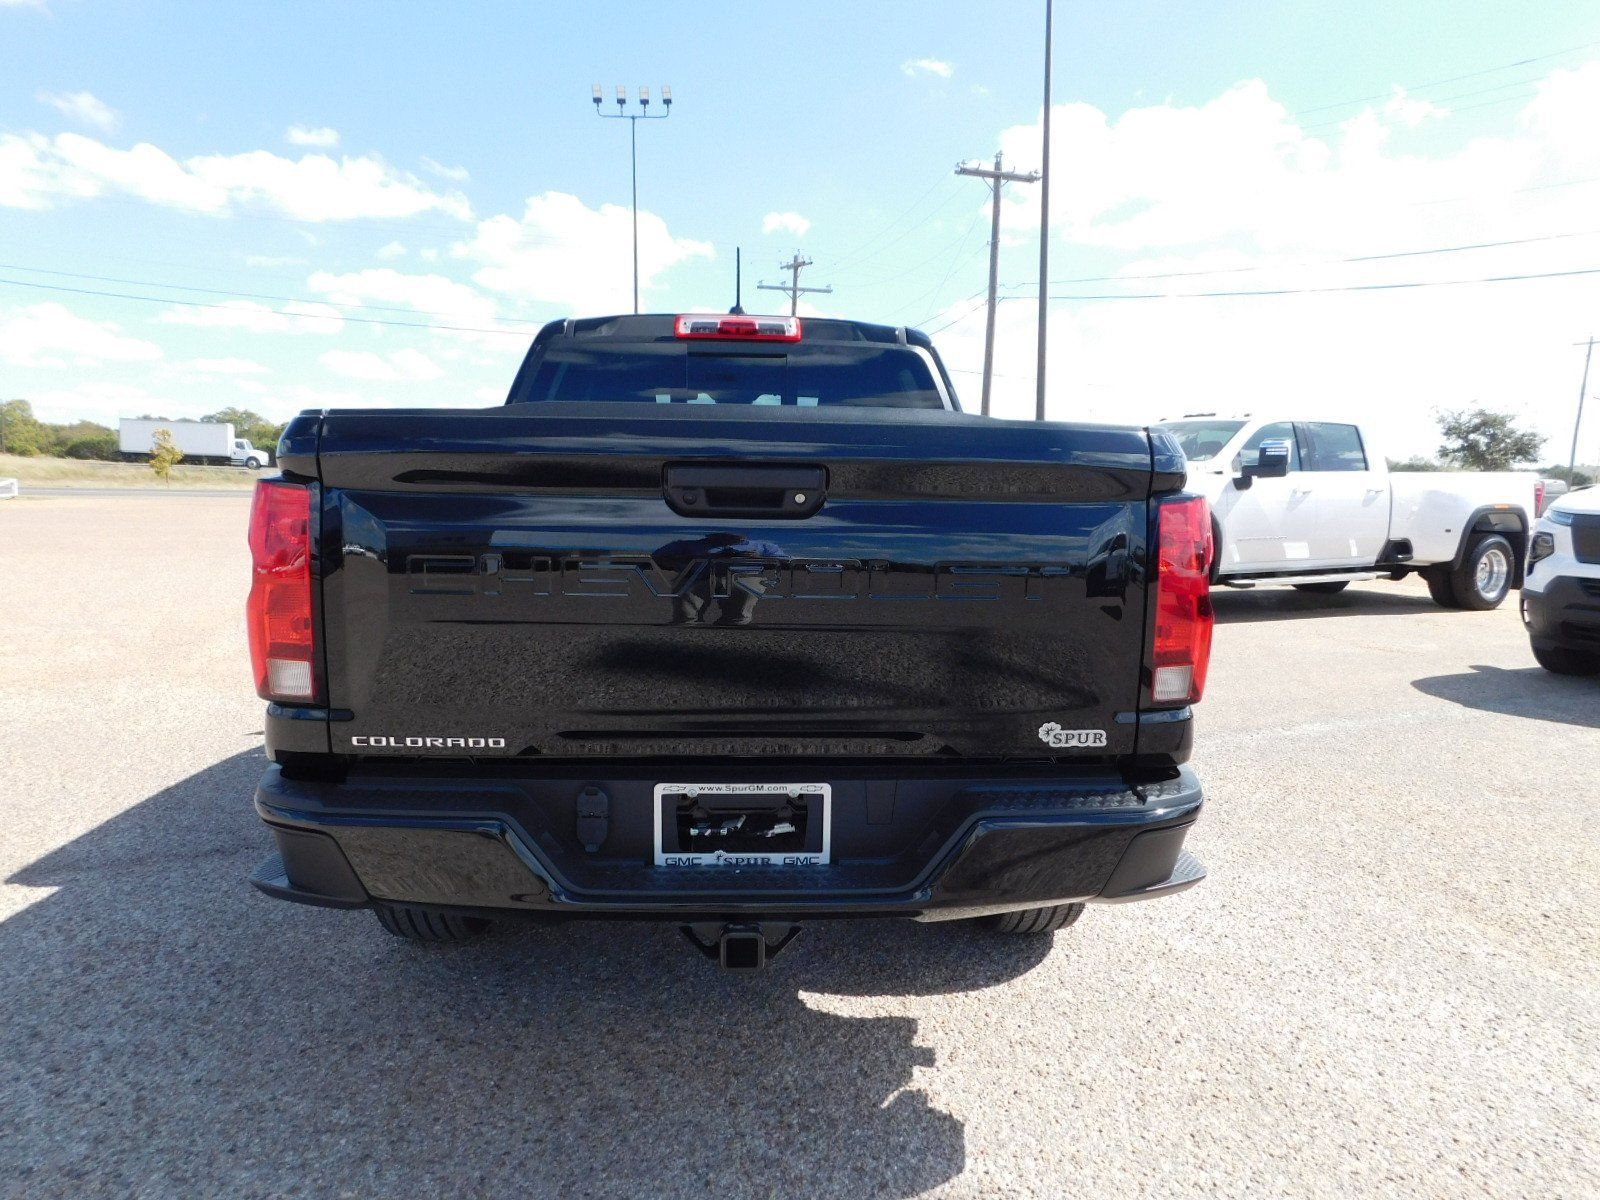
(1414, 463)
(1481, 440)
(1576, 477)
(252, 426)
(164, 455)
(84, 439)
(21, 432)
(100, 447)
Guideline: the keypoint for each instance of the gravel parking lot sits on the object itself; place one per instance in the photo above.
(1389, 985)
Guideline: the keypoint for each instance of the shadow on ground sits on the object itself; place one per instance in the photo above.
(1286, 604)
(171, 1032)
(1530, 692)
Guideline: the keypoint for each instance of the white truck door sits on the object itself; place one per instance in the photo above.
(1349, 493)
(1268, 526)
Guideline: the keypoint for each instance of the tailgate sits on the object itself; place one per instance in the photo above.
(607, 580)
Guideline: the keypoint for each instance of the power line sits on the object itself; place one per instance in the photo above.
(853, 256)
(1536, 187)
(1415, 87)
(921, 223)
(964, 313)
(53, 287)
(1357, 287)
(1553, 237)
(940, 255)
(1438, 100)
(184, 287)
(917, 303)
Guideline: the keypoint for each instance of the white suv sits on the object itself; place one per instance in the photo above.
(1561, 596)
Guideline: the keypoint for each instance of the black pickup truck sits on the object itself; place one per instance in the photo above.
(731, 624)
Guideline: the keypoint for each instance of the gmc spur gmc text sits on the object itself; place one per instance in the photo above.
(733, 622)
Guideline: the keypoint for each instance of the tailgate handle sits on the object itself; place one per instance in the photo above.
(774, 491)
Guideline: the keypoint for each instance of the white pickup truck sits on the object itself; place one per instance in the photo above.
(1311, 504)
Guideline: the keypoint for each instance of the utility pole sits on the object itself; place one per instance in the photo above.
(1583, 390)
(633, 119)
(793, 288)
(997, 178)
(1044, 216)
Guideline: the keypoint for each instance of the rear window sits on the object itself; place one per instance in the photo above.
(1200, 440)
(1336, 447)
(803, 377)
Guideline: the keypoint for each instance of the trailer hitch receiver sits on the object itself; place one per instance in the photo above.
(736, 946)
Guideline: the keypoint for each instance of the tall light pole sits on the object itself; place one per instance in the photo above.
(1044, 216)
(633, 119)
(1583, 389)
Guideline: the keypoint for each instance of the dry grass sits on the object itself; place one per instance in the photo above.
(71, 472)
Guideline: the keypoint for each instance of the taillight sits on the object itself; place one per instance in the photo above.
(1183, 601)
(744, 329)
(279, 608)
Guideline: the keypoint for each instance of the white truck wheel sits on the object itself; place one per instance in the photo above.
(1484, 577)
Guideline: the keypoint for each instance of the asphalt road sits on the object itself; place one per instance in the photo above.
(1389, 985)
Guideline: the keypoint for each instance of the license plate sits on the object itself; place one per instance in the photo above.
(743, 824)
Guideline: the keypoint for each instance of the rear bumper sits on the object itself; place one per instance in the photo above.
(1564, 612)
(927, 847)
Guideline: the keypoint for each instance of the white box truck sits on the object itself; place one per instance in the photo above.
(201, 441)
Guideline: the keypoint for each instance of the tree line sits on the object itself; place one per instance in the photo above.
(1480, 440)
(23, 433)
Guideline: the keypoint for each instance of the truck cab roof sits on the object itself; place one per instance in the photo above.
(733, 359)
(663, 327)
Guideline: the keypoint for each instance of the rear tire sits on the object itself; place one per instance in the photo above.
(1332, 588)
(425, 925)
(1559, 660)
(1484, 577)
(1438, 580)
(1035, 920)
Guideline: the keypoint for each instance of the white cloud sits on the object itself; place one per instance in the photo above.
(454, 174)
(928, 66)
(788, 222)
(50, 335)
(1238, 187)
(225, 366)
(403, 366)
(36, 171)
(248, 315)
(82, 107)
(106, 402)
(565, 253)
(1409, 110)
(443, 300)
(304, 135)
(392, 250)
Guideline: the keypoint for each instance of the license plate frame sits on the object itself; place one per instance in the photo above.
(820, 793)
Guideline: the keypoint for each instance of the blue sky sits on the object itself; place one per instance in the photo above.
(316, 168)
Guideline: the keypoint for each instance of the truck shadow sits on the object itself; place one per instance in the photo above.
(1286, 604)
(171, 1032)
(1530, 692)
